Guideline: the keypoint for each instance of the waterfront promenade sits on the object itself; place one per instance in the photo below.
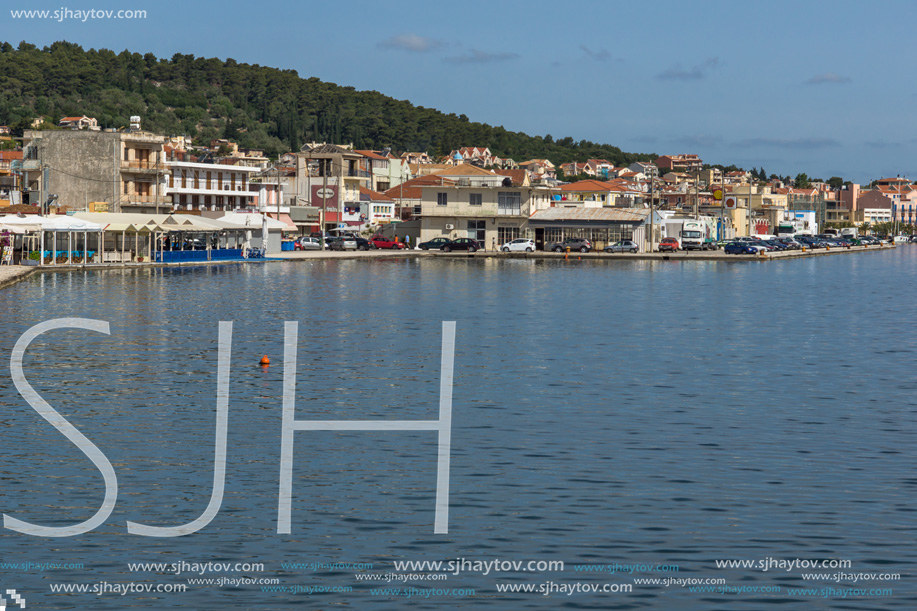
(12, 274)
(714, 255)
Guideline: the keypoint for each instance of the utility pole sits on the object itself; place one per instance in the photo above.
(652, 208)
(696, 195)
(749, 206)
(324, 199)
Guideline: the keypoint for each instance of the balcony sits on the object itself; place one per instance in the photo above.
(141, 167)
(129, 200)
(465, 210)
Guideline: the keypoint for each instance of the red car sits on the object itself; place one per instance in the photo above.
(668, 245)
(382, 242)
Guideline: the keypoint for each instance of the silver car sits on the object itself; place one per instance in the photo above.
(308, 243)
(622, 246)
(342, 243)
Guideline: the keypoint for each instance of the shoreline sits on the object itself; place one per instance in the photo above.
(10, 275)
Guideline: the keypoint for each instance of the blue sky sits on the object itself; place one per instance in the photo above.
(825, 88)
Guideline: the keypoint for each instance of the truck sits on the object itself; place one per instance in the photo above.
(698, 235)
(850, 233)
(786, 229)
(796, 222)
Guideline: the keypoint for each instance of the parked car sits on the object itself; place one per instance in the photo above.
(668, 245)
(622, 246)
(383, 242)
(434, 244)
(363, 243)
(790, 243)
(307, 243)
(462, 244)
(341, 243)
(766, 246)
(194, 244)
(580, 244)
(740, 248)
(520, 244)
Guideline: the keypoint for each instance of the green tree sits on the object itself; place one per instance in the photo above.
(836, 182)
(802, 181)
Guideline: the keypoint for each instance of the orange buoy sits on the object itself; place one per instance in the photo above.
(265, 360)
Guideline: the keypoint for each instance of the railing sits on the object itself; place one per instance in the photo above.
(141, 166)
(145, 199)
(183, 256)
(467, 210)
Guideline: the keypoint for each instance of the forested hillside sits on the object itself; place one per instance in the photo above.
(257, 106)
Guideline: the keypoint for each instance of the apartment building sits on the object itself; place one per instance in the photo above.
(486, 211)
(680, 163)
(329, 177)
(210, 186)
(114, 171)
(385, 170)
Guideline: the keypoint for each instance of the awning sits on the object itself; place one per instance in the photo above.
(560, 216)
(68, 223)
(21, 228)
(128, 227)
(284, 218)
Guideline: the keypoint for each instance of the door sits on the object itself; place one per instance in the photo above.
(539, 238)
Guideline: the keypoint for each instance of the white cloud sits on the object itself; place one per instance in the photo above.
(411, 42)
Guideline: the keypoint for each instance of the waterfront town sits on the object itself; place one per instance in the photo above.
(80, 194)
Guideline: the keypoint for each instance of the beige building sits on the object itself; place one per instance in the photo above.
(490, 214)
(118, 171)
(329, 177)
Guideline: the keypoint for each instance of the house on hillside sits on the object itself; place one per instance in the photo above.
(539, 169)
(574, 168)
(589, 194)
(387, 170)
(479, 156)
(83, 122)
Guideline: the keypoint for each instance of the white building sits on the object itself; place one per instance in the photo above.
(211, 186)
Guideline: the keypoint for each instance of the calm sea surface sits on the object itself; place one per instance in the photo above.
(638, 413)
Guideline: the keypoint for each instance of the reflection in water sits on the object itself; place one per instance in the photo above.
(630, 412)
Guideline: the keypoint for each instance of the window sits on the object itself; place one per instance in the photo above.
(507, 234)
(442, 199)
(477, 230)
(509, 203)
(475, 199)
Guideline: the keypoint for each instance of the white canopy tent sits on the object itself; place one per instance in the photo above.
(55, 225)
(251, 221)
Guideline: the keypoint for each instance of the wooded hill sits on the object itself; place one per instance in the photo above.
(256, 106)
